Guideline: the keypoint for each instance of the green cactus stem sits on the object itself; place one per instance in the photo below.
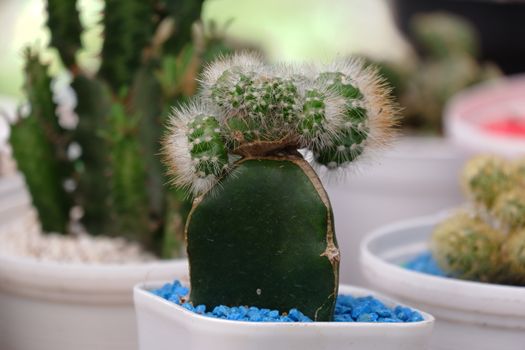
(128, 194)
(64, 23)
(35, 158)
(128, 27)
(467, 248)
(264, 236)
(92, 194)
(184, 14)
(38, 143)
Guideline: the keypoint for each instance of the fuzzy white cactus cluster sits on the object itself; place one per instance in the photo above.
(247, 108)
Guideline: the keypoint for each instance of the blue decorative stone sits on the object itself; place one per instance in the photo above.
(347, 309)
(425, 263)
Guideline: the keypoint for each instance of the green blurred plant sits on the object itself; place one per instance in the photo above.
(486, 243)
(447, 63)
(151, 55)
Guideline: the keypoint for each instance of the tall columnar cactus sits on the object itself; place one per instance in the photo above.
(261, 230)
(148, 62)
(38, 145)
(487, 243)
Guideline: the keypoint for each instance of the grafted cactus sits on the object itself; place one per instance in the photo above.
(487, 243)
(261, 230)
(148, 62)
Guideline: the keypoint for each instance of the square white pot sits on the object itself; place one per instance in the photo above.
(164, 325)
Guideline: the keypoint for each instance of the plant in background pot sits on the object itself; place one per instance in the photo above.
(482, 244)
(70, 289)
(261, 229)
(487, 242)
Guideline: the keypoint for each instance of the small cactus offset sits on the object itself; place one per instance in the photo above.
(261, 230)
(487, 243)
(148, 61)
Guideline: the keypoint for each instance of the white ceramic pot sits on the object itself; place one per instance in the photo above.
(489, 118)
(469, 315)
(53, 306)
(166, 326)
(418, 176)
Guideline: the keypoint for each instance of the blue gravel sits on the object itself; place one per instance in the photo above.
(425, 263)
(348, 309)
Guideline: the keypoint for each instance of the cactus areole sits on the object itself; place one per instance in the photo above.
(261, 230)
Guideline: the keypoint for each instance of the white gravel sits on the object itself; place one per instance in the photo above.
(23, 237)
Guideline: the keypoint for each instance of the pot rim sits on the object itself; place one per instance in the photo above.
(464, 134)
(142, 291)
(435, 290)
(80, 282)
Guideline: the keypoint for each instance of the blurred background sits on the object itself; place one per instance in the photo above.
(446, 62)
(284, 30)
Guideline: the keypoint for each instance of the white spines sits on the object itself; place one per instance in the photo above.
(248, 108)
(193, 149)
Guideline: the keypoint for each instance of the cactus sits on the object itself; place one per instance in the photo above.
(37, 143)
(64, 23)
(261, 229)
(442, 35)
(468, 247)
(488, 243)
(148, 62)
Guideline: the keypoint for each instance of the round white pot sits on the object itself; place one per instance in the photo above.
(52, 306)
(166, 326)
(469, 315)
(418, 176)
(475, 119)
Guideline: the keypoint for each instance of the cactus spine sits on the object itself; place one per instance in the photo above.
(261, 230)
(148, 61)
(487, 243)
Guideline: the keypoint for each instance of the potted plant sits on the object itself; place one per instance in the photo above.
(261, 229)
(94, 177)
(468, 264)
(417, 176)
(489, 118)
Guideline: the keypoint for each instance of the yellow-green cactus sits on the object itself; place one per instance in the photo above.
(487, 244)
(484, 178)
(468, 248)
(518, 171)
(509, 209)
(513, 255)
